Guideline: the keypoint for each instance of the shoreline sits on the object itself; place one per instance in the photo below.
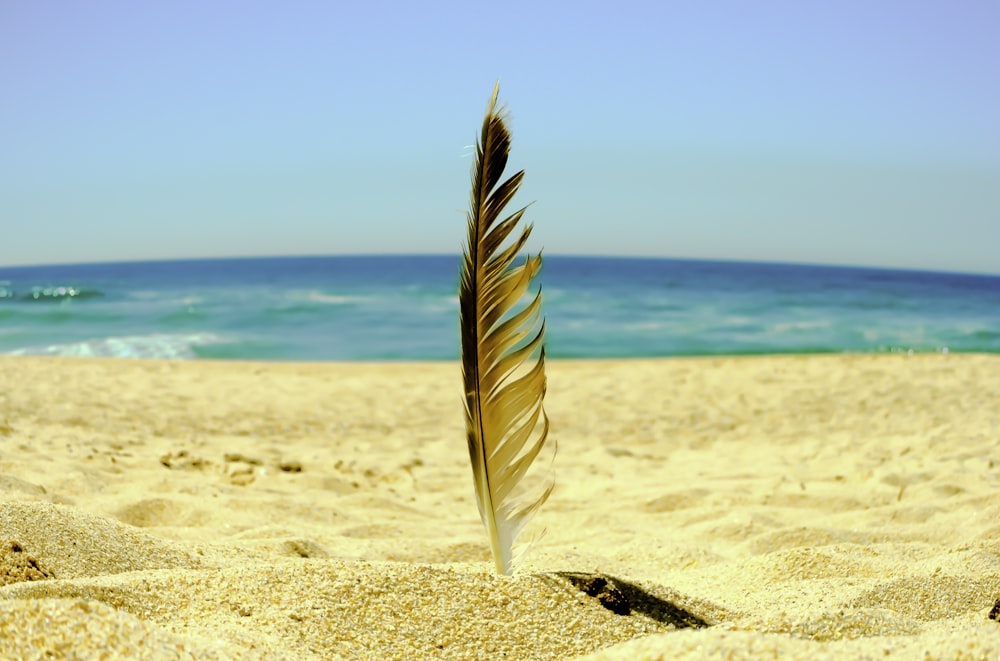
(839, 504)
(887, 355)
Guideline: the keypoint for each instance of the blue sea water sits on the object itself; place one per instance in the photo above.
(406, 308)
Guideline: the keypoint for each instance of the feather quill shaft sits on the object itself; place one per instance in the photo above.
(503, 357)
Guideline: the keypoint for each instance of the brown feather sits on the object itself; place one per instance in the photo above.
(503, 357)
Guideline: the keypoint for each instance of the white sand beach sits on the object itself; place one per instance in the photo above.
(797, 507)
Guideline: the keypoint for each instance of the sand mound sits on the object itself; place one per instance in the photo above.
(73, 543)
(324, 609)
(78, 629)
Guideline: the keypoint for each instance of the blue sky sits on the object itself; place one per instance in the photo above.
(842, 132)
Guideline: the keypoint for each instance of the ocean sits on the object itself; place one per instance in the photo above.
(406, 308)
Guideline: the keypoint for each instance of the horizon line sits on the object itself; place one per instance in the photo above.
(836, 265)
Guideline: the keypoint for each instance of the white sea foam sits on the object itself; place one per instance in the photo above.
(315, 296)
(799, 326)
(159, 345)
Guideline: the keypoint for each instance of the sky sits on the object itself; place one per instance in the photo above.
(848, 132)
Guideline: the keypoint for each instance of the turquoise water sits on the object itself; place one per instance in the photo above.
(406, 308)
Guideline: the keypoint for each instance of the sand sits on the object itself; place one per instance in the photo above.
(743, 508)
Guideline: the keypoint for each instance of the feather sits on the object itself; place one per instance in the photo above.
(503, 358)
